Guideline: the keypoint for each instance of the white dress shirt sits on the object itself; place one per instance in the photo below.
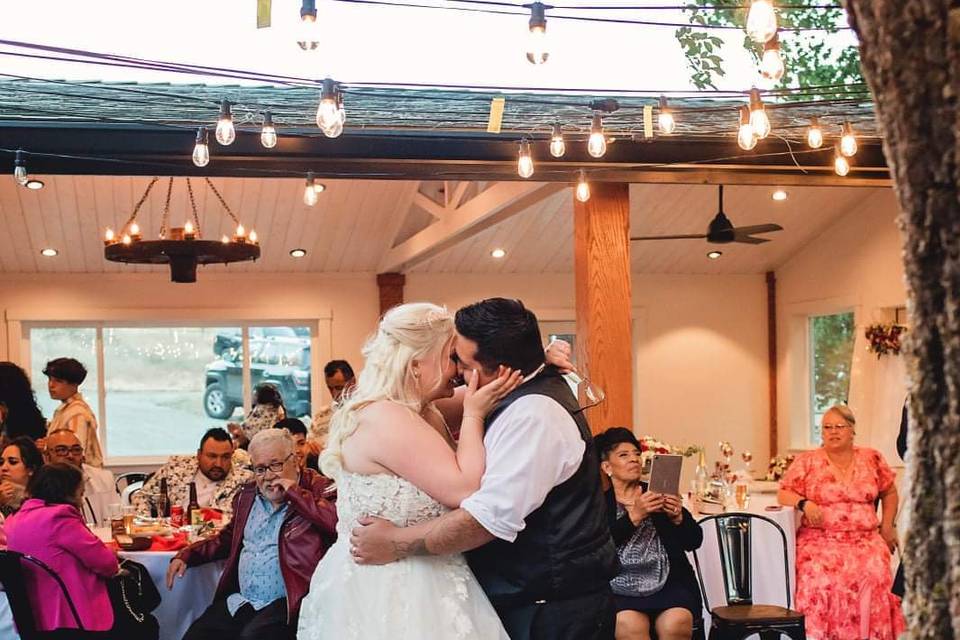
(206, 488)
(99, 492)
(533, 446)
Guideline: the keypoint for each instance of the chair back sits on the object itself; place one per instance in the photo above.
(734, 539)
(14, 581)
(126, 498)
(124, 480)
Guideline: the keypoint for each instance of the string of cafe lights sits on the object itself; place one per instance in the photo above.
(753, 122)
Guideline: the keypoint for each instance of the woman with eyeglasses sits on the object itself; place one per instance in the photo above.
(843, 548)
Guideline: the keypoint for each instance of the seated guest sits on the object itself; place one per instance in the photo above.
(19, 461)
(843, 549)
(266, 411)
(19, 413)
(656, 588)
(64, 377)
(99, 487)
(7, 629)
(283, 524)
(49, 527)
(306, 457)
(340, 379)
(213, 470)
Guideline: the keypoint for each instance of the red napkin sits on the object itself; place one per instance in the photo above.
(174, 543)
(211, 515)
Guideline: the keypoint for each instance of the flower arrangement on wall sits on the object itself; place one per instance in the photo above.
(883, 339)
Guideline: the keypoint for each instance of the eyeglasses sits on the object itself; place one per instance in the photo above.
(833, 427)
(276, 467)
(63, 450)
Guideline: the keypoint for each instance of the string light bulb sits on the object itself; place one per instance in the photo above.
(840, 163)
(268, 134)
(537, 40)
(597, 143)
(201, 150)
(758, 115)
(814, 134)
(330, 113)
(524, 160)
(665, 118)
(746, 136)
(310, 196)
(226, 132)
(771, 63)
(558, 146)
(848, 141)
(761, 21)
(20, 169)
(583, 187)
(307, 29)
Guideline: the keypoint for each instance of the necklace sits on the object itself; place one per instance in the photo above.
(842, 472)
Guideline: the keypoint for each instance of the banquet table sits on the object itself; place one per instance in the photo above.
(190, 596)
(767, 580)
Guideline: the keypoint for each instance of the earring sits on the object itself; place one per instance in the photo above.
(609, 474)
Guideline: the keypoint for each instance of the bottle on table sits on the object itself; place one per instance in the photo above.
(702, 475)
(163, 500)
(193, 507)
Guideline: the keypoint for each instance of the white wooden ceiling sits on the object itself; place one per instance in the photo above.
(356, 222)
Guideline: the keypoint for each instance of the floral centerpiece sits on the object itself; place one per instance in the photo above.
(883, 339)
(778, 467)
(650, 446)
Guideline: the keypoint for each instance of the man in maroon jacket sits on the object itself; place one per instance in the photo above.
(283, 523)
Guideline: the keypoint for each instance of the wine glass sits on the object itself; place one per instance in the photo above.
(588, 393)
(747, 459)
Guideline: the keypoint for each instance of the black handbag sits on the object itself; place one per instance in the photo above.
(133, 596)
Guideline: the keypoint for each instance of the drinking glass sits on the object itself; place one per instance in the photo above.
(129, 511)
(742, 495)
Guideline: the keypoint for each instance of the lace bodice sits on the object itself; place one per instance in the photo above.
(385, 496)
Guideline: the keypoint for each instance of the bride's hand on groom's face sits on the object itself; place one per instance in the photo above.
(480, 401)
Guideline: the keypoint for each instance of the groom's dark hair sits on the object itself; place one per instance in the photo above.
(506, 333)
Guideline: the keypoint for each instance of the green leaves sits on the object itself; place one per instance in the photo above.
(810, 57)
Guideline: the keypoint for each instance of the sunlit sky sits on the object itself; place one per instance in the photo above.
(362, 43)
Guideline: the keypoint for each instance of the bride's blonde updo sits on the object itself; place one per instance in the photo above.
(406, 332)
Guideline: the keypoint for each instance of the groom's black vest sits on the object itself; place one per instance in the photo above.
(565, 549)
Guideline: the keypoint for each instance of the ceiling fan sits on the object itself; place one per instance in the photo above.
(722, 231)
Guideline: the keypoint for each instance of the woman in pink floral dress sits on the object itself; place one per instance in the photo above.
(843, 549)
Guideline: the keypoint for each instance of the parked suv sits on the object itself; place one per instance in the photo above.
(281, 361)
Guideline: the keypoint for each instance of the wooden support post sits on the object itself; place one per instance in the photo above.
(772, 357)
(602, 269)
(391, 290)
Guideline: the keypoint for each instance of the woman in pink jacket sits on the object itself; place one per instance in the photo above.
(50, 527)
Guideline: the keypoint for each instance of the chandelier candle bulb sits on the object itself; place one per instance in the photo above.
(189, 233)
(253, 236)
(177, 233)
(109, 237)
(126, 239)
(240, 235)
(134, 231)
(225, 240)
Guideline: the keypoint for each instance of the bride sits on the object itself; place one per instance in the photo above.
(394, 457)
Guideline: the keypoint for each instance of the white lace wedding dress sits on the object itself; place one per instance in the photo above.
(417, 598)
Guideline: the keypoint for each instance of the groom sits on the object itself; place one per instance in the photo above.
(535, 532)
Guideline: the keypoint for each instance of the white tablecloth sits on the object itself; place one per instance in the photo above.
(767, 557)
(191, 594)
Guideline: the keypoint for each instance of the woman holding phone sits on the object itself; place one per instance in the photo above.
(656, 587)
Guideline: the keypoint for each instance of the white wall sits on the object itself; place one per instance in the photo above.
(854, 264)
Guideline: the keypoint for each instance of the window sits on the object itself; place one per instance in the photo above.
(163, 386)
(831, 340)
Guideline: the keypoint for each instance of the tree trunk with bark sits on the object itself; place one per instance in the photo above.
(910, 53)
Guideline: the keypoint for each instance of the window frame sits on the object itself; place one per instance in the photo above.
(319, 321)
(811, 410)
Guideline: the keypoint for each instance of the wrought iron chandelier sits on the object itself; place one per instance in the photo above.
(183, 248)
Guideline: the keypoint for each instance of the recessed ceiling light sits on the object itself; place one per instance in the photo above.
(298, 253)
(319, 187)
(498, 253)
(779, 195)
(713, 255)
(34, 184)
(49, 252)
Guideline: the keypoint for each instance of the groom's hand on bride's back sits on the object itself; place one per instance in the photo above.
(375, 541)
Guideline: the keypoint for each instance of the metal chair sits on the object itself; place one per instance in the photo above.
(13, 578)
(126, 498)
(124, 480)
(740, 617)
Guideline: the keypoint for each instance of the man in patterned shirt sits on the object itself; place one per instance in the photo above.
(283, 524)
(215, 471)
(64, 377)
